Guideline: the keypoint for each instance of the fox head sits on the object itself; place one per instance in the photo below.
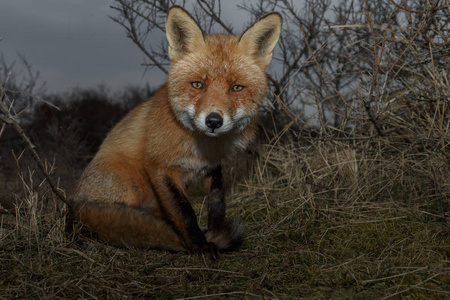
(218, 82)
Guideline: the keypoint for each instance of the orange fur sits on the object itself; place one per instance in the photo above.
(132, 193)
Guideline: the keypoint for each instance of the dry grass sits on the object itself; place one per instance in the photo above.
(359, 211)
(323, 220)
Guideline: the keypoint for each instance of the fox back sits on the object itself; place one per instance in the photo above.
(133, 191)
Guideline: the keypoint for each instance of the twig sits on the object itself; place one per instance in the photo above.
(439, 183)
(5, 211)
(6, 117)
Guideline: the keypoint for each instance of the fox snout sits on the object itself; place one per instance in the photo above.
(214, 121)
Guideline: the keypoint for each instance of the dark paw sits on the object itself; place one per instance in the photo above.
(209, 250)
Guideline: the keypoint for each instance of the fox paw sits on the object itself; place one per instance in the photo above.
(208, 249)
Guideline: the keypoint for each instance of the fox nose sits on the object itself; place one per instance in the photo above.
(214, 121)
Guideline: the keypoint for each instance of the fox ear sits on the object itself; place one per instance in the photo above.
(183, 33)
(260, 38)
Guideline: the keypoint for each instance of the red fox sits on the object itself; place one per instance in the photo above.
(133, 191)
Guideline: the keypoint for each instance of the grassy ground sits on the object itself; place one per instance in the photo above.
(322, 221)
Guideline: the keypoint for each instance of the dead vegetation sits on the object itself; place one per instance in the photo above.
(355, 205)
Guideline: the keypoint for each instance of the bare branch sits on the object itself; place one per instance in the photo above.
(5, 116)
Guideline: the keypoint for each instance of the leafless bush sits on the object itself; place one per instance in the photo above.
(22, 84)
(369, 74)
(373, 75)
(338, 64)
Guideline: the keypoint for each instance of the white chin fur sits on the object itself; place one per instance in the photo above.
(186, 116)
(241, 119)
(211, 134)
(194, 122)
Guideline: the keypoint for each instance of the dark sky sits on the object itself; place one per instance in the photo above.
(74, 43)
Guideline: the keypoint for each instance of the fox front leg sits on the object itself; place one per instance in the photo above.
(216, 200)
(182, 216)
(224, 234)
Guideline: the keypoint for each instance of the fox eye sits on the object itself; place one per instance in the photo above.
(197, 85)
(237, 88)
